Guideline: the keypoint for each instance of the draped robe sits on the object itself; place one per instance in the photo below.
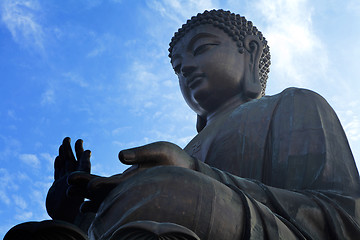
(279, 167)
(287, 152)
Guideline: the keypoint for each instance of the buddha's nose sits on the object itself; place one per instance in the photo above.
(187, 70)
(188, 66)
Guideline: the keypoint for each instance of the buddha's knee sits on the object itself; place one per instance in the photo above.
(172, 194)
(45, 230)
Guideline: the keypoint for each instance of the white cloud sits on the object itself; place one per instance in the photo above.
(19, 202)
(7, 180)
(30, 159)
(49, 160)
(143, 85)
(97, 51)
(48, 97)
(102, 44)
(23, 216)
(353, 6)
(120, 130)
(11, 114)
(38, 199)
(19, 16)
(4, 198)
(9, 147)
(22, 176)
(177, 10)
(7, 184)
(297, 53)
(352, 125)
(76, 78)
(92, 3)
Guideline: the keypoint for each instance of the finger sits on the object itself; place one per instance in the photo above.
(59, 166)
(70, 162)
(61, 151)
(79, 150)
(99, 188)
(89, 206)
(84, 163)
(80, 179)
(152, 153)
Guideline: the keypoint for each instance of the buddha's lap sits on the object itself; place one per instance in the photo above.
(172, 194)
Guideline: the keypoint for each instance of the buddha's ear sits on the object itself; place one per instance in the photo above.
(252, 85)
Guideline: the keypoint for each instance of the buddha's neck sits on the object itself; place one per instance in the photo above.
(231, 104)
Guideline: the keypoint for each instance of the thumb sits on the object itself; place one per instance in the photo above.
(157, 152)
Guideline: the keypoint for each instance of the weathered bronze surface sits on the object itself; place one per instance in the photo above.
(261, 167)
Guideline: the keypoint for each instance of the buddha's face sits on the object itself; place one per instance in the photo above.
(209, 67)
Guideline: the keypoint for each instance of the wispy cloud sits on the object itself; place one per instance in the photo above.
(92, 3)
(19, 16)
(120, 130)
(19, 201)
(11, 114)
(177, 10)
(353, 129)
(9, 147)
(48, 97)
(4, 198)
(294, 45)
(23, 216)
(353, 6)
(97, 51)
(102, 44)
(6, 184)
(350, 120)
(38, 198)
(49, 160)
(75, 78)
(143, 84)
(30, 159)
(50, 92)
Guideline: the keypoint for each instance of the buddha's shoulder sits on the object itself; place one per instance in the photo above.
(289, 97)
(293, 94)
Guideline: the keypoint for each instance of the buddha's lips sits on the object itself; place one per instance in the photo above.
(192, 81)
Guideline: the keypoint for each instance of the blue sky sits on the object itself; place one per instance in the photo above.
(98, 70)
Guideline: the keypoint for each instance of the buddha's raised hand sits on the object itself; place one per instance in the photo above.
(58, 204)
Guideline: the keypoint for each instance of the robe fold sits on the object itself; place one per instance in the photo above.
(288, 157)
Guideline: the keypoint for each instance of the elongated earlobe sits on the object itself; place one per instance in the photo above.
(252, 86)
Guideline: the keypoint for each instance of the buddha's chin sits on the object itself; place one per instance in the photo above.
(202, 99)
(200, 92)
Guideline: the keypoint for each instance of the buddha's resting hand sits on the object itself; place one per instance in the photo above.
(58, 204)
(155, 154)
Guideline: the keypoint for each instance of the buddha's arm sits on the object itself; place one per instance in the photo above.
(310, 214)
(312, 181)
(307, 147)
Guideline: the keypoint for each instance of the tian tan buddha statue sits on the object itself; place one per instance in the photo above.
(260, 167)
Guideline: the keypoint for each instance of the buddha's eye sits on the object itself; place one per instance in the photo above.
(203, 48)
